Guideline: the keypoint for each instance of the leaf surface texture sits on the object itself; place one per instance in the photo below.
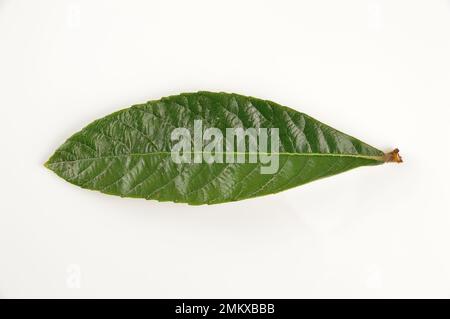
(128, 153)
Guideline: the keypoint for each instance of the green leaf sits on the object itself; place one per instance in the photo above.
(128, 153)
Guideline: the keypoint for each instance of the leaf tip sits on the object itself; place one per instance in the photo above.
(47, 164)
(393, 157)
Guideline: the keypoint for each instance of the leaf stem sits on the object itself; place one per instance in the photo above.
(393, 157)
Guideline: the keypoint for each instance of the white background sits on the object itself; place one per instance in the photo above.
(378, 70)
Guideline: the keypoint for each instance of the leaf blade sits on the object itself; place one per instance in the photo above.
(127, 153)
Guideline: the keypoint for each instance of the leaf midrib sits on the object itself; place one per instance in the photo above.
(375, 158)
